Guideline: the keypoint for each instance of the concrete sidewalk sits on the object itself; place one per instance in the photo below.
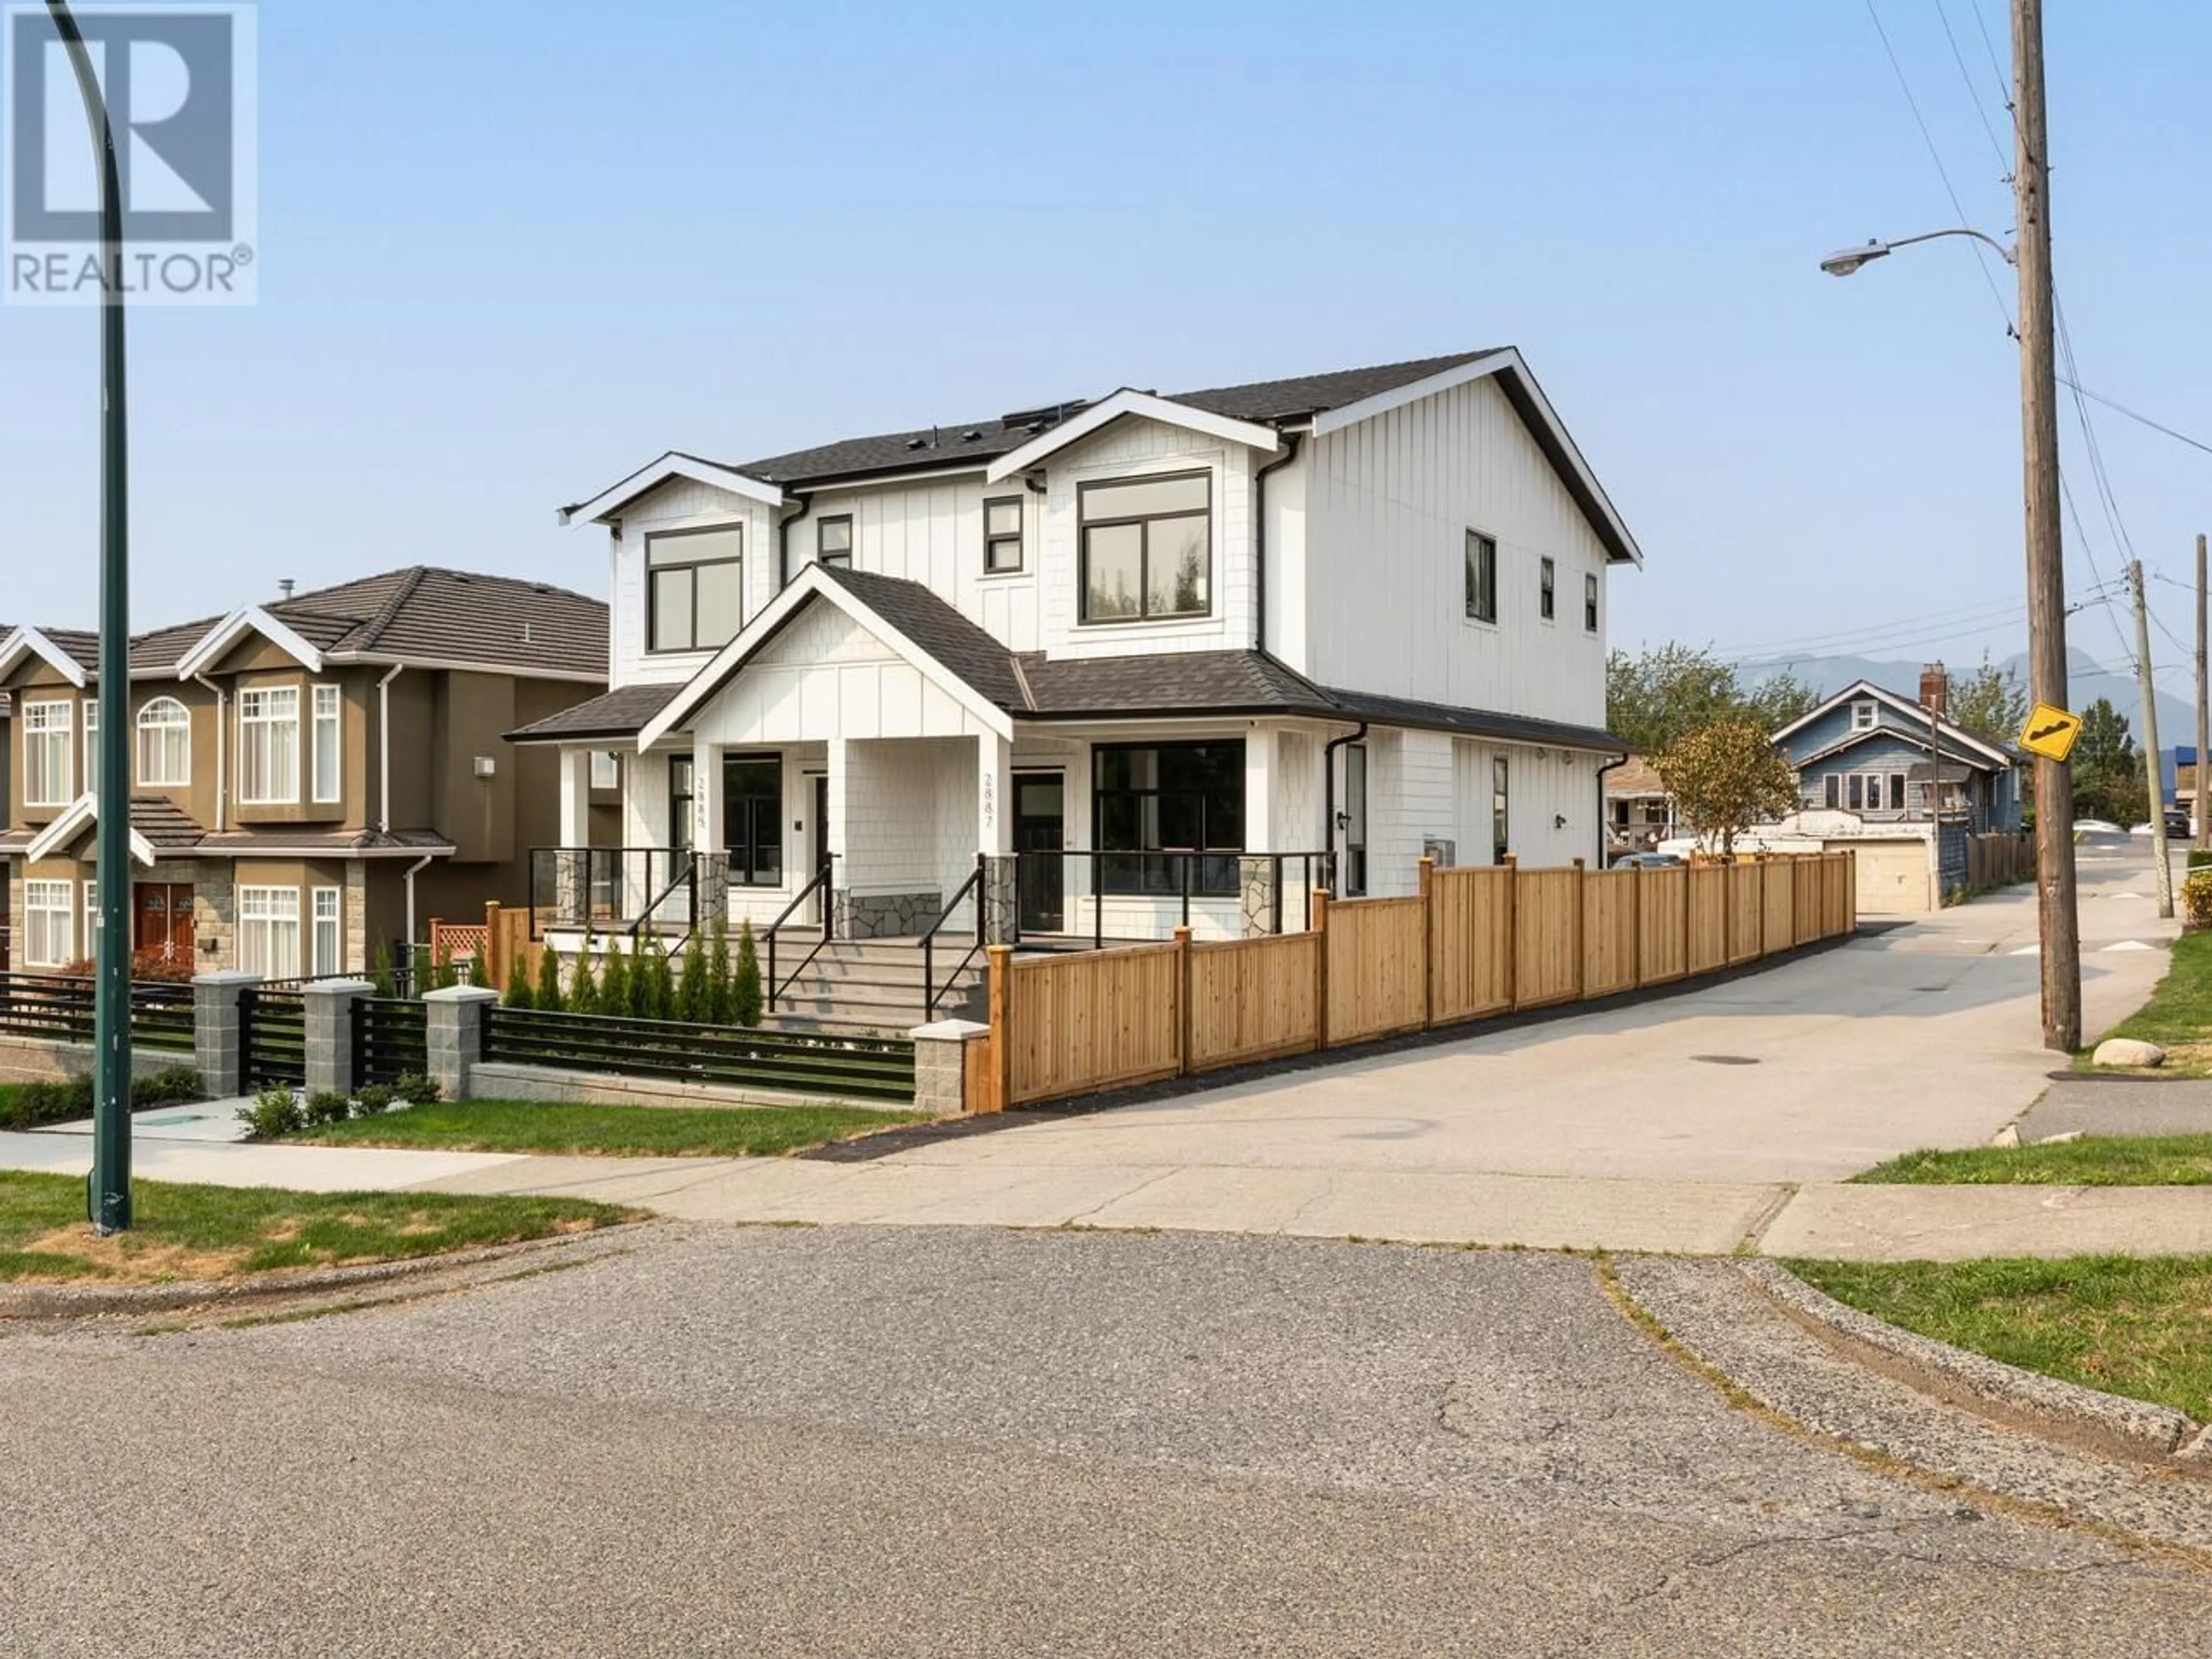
(302, 1169)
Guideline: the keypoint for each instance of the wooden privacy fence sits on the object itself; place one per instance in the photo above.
(1469, 944)
(1999, 859)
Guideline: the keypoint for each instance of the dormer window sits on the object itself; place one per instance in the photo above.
(1147, 548)
(834, 542)
(1862, 716)
(695, 593)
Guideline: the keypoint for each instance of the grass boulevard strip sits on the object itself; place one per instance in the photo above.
(512, 1126)
(200, 1232)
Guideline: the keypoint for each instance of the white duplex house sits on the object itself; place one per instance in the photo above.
(1090, 668)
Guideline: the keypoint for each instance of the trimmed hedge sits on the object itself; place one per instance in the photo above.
(32, 1105)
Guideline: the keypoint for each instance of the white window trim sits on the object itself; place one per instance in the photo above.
(91, 723)
(336, 717)
(269, 967)
(245, 722)
(66, 729)
(183, 778)
(334, 961)
(1873, 717)
(37, 901)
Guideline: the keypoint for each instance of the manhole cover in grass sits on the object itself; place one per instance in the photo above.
(1724, 1060)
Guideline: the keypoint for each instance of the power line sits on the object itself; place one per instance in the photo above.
(2143, 420)
(1981, 256)
(1972, 97)
(1899, 625)
(2003, 81)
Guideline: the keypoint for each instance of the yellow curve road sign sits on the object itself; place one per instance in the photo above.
(2050, 733)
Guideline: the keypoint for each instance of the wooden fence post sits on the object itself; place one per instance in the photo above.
(1321, 967)
(1182, 1000)
(1512, 930)
(1427, 873)
(496, 971)
(1000, 1015)
(1581, 929)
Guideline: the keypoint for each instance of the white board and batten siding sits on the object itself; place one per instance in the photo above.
(1387, 506)
(931, 532)
(681, 504)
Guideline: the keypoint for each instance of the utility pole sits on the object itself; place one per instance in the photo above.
(107, 1189)
(2058, 922)
(2204, 823)
(2154, 773)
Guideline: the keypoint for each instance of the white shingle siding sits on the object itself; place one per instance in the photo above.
(680, 505)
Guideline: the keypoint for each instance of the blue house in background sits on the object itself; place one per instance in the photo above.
(1866, 751)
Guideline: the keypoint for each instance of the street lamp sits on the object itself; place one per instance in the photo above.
(1852, 259)
(2057, 918)
(108, 1190)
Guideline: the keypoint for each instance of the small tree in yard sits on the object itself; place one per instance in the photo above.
(479, 972)
(442, 978)
(721, 992)
(692, 996)
(614, 986)
(660, 987)
(745, 988)
(548, 997)
(517, 985)
(1725, 778)
(583, 991)
(379, 970)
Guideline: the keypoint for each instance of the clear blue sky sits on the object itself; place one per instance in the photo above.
(513, 248)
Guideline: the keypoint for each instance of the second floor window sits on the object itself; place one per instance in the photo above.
(1590, 605)
(1002, 535)
(834, 541)
(329, 745)
(1547, 597)
(165, 744)
(1481, 576)
(269, 746)
(695, 592)
(1147, 543)
(46, 732)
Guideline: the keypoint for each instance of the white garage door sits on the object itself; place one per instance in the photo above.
(1892, 876)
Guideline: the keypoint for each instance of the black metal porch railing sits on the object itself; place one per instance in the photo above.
(931, 992)
(822, 886)
(613, 890)
(1049, 904)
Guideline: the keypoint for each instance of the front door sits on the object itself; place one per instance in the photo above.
(163, 921)
(1040, 836)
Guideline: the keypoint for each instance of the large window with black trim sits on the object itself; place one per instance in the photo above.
(833, 541)
(752, 819)
(1156, 807)
(1147, 547)
(694, 588)
(1481, 576)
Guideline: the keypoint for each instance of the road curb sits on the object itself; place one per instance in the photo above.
(81, 1302)
(1942, 1369)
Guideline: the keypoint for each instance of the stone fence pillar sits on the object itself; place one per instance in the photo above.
(216, 1040)
(453, 1034)
(330, 1033)
(943, 1052)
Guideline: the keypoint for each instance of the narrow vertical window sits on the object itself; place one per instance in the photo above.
(1355, 821)
(834, 541)
(1546, 591)
(49, 923)
(1481, 576)
(328, 942)
(1589, 603)
(269, 746)
(330, 750)
(1002, 535)
(46, 753)
(91, 746)
(165, 744)
(1501, 809)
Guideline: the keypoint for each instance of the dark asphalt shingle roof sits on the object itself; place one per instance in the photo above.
(950, 445)
(1166, 682)
(619, 713)
(939, 629)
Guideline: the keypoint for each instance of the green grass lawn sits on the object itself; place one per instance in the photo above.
(184, 1232)
(2092, 1161)
(2139, 1327)
(2179, 1016)
(514, 1126)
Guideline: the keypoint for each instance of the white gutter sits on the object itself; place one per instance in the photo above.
(221, 751)
(383, 787)
(413, 871)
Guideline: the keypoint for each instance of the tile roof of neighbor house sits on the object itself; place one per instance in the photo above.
(346, 843)
(982, 440)
(420, 611)
(163, 822)
(1031, 686)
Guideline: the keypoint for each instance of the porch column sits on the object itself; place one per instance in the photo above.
(708, 827)
(575, 797)
(835, 836)
(994, 836)
(1258, 890)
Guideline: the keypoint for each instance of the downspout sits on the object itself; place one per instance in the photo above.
(805, 504)
(222, 751)
(1260, 538)
(384, 784)
(413, 871)
(1602, 825)
(1328, 797)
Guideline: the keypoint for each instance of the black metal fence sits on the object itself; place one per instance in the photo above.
(390, 1039)
(872, 1067)
(60, 1008)
(616, 890)
(272, 1038)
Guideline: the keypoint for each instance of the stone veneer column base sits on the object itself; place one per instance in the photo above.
(885, 915)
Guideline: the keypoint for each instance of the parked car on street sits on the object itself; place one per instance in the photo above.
(1647, 861)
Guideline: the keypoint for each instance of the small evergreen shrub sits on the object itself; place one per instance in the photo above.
(479, 972)
(442, 970)
(325, 1106)
(166, 1087)
(583, 992)
(614, 986)
(745, 985)
(379, 971)
(274, 1113)
(692, 1001)
(721, 990)
(373, 1099)
(418, 1089)
(518, 994)
(548, 997)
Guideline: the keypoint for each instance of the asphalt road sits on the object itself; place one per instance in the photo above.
(965, 1442)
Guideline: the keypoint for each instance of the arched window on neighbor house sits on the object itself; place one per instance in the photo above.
(165, 744)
